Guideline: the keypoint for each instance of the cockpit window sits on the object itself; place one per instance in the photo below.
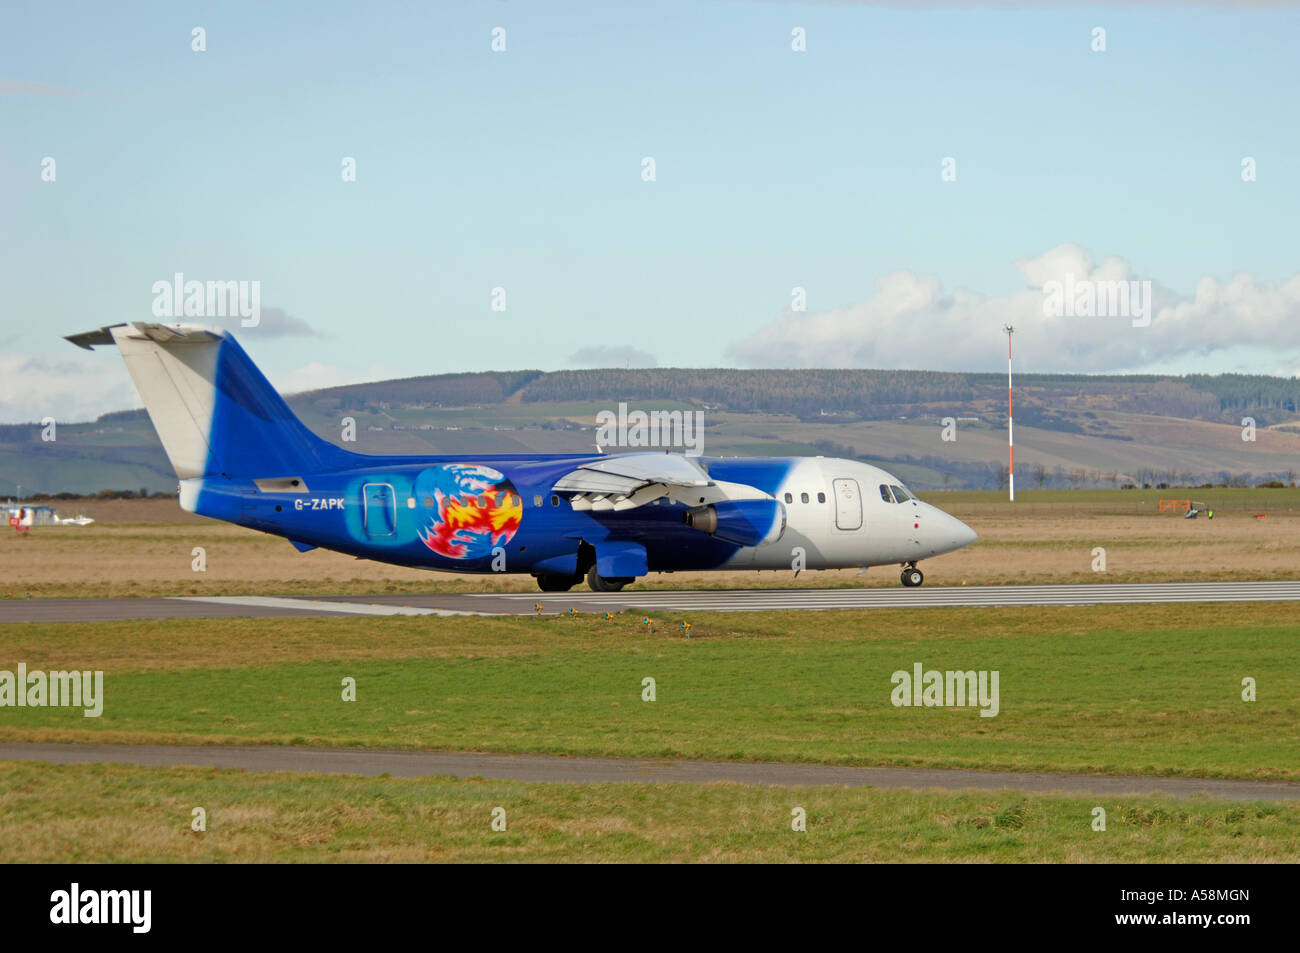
(884, 494)
(900, 495)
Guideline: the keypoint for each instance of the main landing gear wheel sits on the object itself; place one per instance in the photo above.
(601, 583)
(912, 576)
(553, 583)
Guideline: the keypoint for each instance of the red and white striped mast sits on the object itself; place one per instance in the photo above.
(1011, 428)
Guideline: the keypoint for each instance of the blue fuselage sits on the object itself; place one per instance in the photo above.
(382, 512)
(500, 514)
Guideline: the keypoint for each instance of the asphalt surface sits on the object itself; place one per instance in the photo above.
(111, 610)
(746, 600)
(546, 768)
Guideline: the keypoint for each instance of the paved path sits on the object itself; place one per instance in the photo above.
(743, 600)
(546, 768)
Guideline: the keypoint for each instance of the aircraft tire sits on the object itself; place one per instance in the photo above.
(553, 583)
(599, 583)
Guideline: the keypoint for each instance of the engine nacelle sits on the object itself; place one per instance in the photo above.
(743, 522)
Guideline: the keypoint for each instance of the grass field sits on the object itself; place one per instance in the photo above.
(1152, 690)
(116, 813)
(144, 548)
(1115, 689)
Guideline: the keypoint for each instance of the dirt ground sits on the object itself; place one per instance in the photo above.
(146, 548)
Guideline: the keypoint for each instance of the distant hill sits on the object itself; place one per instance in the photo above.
(1071, 430)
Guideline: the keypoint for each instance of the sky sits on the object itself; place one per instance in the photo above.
(889, 196)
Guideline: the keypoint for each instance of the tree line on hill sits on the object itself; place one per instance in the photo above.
(808, 394)
(864, 394)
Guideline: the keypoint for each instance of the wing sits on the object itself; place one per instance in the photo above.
(627, 480)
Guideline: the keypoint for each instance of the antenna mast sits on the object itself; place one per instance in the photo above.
(1011, 427)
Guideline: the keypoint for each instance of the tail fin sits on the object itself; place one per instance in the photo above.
(215, 413)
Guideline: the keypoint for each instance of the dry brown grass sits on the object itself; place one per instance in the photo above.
(148, 553)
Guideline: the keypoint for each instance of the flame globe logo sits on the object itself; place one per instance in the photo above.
(468, 510)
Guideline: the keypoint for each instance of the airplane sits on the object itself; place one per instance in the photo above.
(242, 456)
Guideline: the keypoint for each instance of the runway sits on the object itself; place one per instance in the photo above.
(744, 600)
(548, 768)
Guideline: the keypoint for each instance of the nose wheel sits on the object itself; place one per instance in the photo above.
(911, 576)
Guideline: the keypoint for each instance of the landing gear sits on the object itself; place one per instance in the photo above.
(599, 583)
(912, 576)
(554, 583)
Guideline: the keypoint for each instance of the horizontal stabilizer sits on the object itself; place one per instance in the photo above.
(87, 339)
(147, 331)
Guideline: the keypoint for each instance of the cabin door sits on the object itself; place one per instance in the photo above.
(848, 504)
(380, 509)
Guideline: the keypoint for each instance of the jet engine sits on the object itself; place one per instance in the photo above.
(742, 522)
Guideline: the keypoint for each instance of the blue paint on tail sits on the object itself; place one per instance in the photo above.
(254, 433)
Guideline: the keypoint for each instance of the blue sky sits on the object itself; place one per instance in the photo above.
(522, 169)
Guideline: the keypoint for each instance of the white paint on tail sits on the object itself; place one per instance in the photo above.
(174, 369)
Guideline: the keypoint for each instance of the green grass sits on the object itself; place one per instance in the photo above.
(118, 813)
(1148, 690)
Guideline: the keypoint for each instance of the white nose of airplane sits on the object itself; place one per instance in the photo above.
(941, 533)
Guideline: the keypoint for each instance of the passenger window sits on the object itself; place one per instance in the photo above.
(789, 498)
(428, 502)
(537, 501)
(803, 497)
(884, 494)
(821, 497)
(555, 500)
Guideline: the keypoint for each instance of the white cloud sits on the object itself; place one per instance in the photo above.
(69, 389)
(312, 376)
(317, 376)
(272, 323)
(18, 87)
(912, 322)
(76, 389)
